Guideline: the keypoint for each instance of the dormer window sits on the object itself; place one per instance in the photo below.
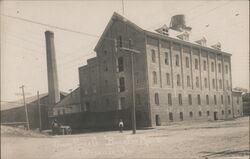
(163, 30)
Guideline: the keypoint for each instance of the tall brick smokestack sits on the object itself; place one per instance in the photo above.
(54, 94)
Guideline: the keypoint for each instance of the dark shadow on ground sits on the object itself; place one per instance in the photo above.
(227, 153)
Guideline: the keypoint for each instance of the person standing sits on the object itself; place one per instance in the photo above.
(121, 125)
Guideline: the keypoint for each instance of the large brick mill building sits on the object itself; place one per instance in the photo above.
(175, 77)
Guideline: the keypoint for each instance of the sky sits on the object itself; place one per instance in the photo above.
(23, 55)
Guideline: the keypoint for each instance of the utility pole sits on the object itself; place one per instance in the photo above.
(131, 51)
(39, 111)
(26, 111)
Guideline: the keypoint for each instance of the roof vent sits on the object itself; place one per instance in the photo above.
(217, 46)
(178, 23)
(163, 30)
(184, 36)
(202, 41)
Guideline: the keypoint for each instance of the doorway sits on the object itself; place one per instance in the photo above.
(157, 120)
(215, 116)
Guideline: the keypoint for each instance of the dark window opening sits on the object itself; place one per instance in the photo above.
(121, 84)
(181, 116)
(190, 99)
(171, 116)
(157, 99)
(191, 114)
(169, 99)
(120, 64)
(180, 99)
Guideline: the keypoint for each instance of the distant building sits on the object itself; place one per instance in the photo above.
(176, 78)
(246, 104)
(14, 112)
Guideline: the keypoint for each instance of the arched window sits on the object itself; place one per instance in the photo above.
(199, 99)
(168, 78)
(153, 56)
(187, 62)
(188, 81)
(205, 82)
(212, 66)
(178, 80)
(171, 116)
(157, 99)
(180, 99)
(197, 82)
(169, 99)
(191, 114)
(166, 58)
(215, 100)
(200, 114)
(207, 99)
(181, 116)
(177, 60)
(196, 64)
(121, 84)
(154, 77)
(204, 65)
(120, 64)
(221, 98)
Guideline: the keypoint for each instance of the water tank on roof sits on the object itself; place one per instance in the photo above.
(178, 23)
(178, 20)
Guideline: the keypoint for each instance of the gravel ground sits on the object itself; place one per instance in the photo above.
(220, 139)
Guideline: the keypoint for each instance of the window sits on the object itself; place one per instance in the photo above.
(120, 64)
(156, 98)
(105, 52)
(188, 81)
(219, 67)
(105, 66)
(94, 88)
(180, 99)
(190, 99)
(168, 78)
(226, 69)
(154, 77)
(207, 99)
(204, 65)
(220, 84)
(169, 99)
(200, 114)
(221, 98)
(205, 82)
(196, 64)
(208, 113)
(212, 66)
(177, 60)
(138, 99)
(58, 112)
(197, 82)
(215, 100)
(187, 62)
(87, 106)
(227, 84)
(199, 99)
(153, 56)
(213, 83)
(122, 103)
(120, 41)
(171, 116)
(191, 114)
(181, 116)
(107, 102)
(178, 80)
(166, 58)
(238, 100)
(229, 111)
(222, 112)
(228, 99)
(121, 84)
(106, 83)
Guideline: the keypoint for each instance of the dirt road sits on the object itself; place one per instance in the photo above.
(220, 139)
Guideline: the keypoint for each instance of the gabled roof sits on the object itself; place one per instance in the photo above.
(19, 103)
(115, 17)
(172, 34)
